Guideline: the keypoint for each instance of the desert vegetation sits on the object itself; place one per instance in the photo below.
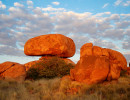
(49, 68)
(100, 74)
(55, 89)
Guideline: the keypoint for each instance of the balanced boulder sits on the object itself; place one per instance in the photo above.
(51, 44)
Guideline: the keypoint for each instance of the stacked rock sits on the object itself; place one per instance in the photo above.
(98, 64)
(49, 45)
(45, 46)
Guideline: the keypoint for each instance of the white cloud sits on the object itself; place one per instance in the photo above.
(105, 44)
(122, 3)
(125, 15)
(103, 29)
(29, 2)
(103, 26)
(115, 17)
(127, 3)
(118, 2)
(123, 24)
(55, 3)
(18, 4)
(53, 9)
(114, 34)
(2, 5)
(105, 5)
(8, 50)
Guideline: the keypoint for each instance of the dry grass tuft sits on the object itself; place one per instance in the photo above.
(55, 89)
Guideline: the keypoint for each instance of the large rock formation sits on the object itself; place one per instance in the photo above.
(51, 44)
(98, 64)
(91, 69)
(117, 63)
(12, 70)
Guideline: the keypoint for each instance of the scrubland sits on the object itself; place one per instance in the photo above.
(57, 89)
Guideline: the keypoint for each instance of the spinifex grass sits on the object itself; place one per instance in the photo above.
(55, 89)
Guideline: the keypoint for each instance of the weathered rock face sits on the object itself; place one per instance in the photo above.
(51, 44)
(5, 66)
(30, 64)
(91, 69)
(97, 64)
(117, 63)
(12, 70)
(86, 49)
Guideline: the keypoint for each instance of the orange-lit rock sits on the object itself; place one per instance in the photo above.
(98, 64)
(86, 49)
(91, 69)
(51, 44)
(30, 64)
(97, 51)
(13, 71)
(117, 63)
(105, 52)
(6, 65)
(117, 58)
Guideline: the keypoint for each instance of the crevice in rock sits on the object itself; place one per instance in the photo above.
(7, 69)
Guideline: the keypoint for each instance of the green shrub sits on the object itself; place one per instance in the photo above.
(49, 68)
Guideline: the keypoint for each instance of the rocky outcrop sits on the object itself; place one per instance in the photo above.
(12, 70)
(51, 44)
(98, 64)
(91, 69)
(30, 64)
(117, 63)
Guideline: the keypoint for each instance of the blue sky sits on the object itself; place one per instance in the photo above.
(105, 23)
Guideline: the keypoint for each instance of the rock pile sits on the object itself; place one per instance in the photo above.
(45, 46)
(48, 46)
(98, 64)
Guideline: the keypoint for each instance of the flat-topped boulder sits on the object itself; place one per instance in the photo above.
(51, 44)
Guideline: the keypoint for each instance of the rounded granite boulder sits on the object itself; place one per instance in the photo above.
(50, 44)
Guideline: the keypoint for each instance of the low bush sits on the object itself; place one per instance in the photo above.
(49, 68)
